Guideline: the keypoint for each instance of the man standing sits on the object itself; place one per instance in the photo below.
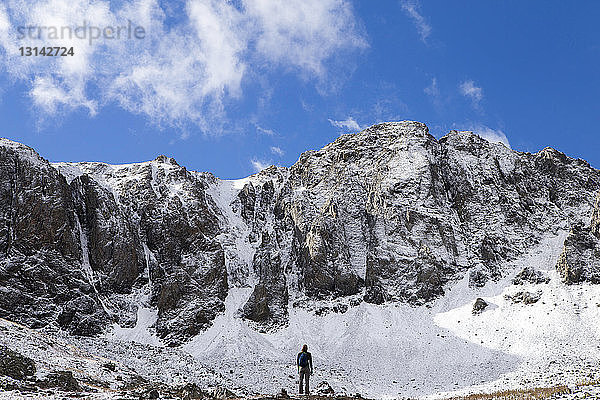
(305, 368)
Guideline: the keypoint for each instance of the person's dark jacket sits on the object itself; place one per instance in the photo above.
(310, 364)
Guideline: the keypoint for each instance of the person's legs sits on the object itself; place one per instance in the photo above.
(307, 377)
(301, 379)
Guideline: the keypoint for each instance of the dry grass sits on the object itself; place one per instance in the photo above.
(521, 394)
(591, 382)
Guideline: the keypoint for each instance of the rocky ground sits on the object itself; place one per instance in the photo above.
(45, 364)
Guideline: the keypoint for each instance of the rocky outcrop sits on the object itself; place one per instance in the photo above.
(479, 306)
(530, 275)
(580, 258)
(525, 297)
(324, 389)
(595, 224)
(390, 214)
(169, 225)
(114, 250)
(60, 380)
(403, 214)
(15, 365)
(40, 251)
(395, 211)
(81, 243)
(269, 299)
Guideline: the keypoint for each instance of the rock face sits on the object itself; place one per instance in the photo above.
(269, 299)
(595, 225)
(150, 228)
(580, 258)
(40, 264)
(15, 365)
(390, 214)
(83, 243)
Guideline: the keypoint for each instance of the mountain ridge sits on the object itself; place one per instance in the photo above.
(401, 230)
(373, 248)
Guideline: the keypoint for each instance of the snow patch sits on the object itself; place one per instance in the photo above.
(141, 332)
(239, 252)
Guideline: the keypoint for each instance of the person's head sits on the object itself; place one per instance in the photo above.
(305, 348)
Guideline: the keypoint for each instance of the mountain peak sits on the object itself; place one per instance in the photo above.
(551, 152)
(382, 135)
(25, 151)
(462, 136)
(398, 128)
(165, 160)
(7, 143)
(405, 124)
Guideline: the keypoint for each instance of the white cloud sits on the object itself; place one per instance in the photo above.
(432, 89)
(259, 165)
(4, 22)
(185, 135)
(349, 124)
(489, 134)
(470, 90)
(411, 8)
(217, 26)
(277, 151)
(266, 131)
(179, 73)
(303, 33)
(50, 96)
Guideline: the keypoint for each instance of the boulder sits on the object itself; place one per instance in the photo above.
(192, 391)
(324, 389)
(62, 380)
(530, 275)
(15, 365)
(525, 297)
(222, 393)
(479, 306)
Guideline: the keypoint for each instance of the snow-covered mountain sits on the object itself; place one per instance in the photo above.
(372, 250)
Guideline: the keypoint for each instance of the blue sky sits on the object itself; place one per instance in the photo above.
(229, 87)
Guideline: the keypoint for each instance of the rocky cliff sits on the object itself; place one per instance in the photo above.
(580, 258)
(390, 214)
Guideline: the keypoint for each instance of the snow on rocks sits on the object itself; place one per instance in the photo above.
(371, 250)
